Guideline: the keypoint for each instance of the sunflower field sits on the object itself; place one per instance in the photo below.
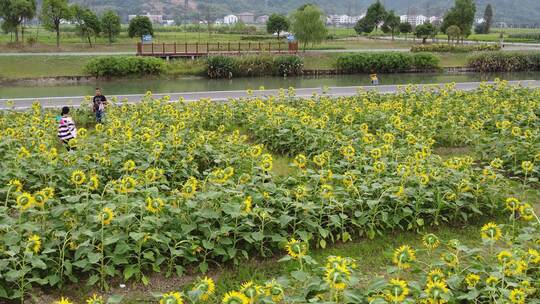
(164, 186)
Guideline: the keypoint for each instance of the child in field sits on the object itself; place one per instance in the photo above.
(66, 128)
(374, 78)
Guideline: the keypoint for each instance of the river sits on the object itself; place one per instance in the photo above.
(140, 86)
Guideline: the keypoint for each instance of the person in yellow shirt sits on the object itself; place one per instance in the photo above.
(374, 78)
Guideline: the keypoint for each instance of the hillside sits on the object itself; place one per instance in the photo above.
(511, 11)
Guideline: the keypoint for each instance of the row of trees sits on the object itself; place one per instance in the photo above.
(15, 12)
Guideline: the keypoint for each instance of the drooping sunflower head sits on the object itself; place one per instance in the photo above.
(512, 204)
(435, 275)
(300, 161)
(154, 205)
(247, 205)
(472, 279)
(93, 183)
(173, 297)
(206, 287)
(95, 299)
(436, 291)
(255, 151)
(25, 201)
(78, 177)
(251, 290)
(431, 241)
(504, 256)
(106, 216)
(337, 277)
(274, 290)
(491, 232)
(450, 259)
(526, 212)
(404, 256)
(379, 166)
(235, 297)
(129, 166)
(40, 198)
(34, 243)
(63, 301)
(16, 185)
(296, 249)
(517, 296)
(397, 291)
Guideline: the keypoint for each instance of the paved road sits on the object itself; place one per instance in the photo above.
(54, 102)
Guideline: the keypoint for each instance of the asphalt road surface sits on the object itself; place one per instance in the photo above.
(75, 101)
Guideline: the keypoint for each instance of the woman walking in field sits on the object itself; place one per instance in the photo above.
(66, 128)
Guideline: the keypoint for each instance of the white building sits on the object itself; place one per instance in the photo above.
(153, 18)
(230, 19)
(342, 19)
(262, 19)
(435, 20)
(479, 20)
(414, 20)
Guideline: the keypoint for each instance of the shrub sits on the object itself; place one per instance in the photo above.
(385, 62)
(505, 62)
(220, 67)
(258, 65)
(124, 66)
(451, 48)
(526, 36)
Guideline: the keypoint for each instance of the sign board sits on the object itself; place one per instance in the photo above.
(147, 38)
(291, 38)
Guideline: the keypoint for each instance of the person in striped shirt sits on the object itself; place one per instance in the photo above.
(66, 128)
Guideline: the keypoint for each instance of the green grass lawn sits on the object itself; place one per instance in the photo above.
(16, 67)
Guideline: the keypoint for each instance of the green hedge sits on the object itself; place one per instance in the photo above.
(261, 65)
(386, 62)
(453, 48)
(124, 66)
(505, 62)
(526, 36)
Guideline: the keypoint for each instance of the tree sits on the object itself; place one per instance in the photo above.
(453, 32)
(14, 12)
(461, 15)
(308, 24)
(140, 26)
(488, 18)
(391, 23)
(405, 28)
(110, 23)
(425, 31)
(52, 13)
(277, 24)
(374, 16)
(87, 22)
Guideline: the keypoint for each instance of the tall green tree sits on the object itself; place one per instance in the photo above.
(140, 26)
(488, 18)
(52, 13)
(461, 15)
(405, 28)
(308, 24)
(453, 32)
(110, 25)
(86, 22)
(425, 31)
(376, 13)
(391, 23)
(277, 23)
(15, 12)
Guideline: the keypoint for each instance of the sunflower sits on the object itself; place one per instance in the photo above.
(472, 279)
(496, 163)
(129, 166)
(526, 212)
(491, 232)
(274, 290)
(154, 205)
(16, 184)
(388, 138)
(492, 281)
(206, 287)
(348, 179)
(93, 183)
(300, 161)
(40, 198)
(515, 268)
(512, 204)
(296, 249)
(152, 174)
(450, 259)
(235, 297)
(379, 166)
(189, 188)
(504, 256)
(266, 163)
(127, 184)
(431, 241)
(34, 243)
(337, 277)
(348, 152)
(63, 301)
(534, 256)
(517, 296)
(250, 290)
(78, 177)
(95, 299)
(397, 291)
(300, 192)
(247, 204)
(424, 179)
(173, 297)
(319, 160)
(25, 201)
(106, 216)
(436, 291)
(49, 192)
(327, 191)
(255, 151)
(403, 256)
(82, 133)
(435, 275)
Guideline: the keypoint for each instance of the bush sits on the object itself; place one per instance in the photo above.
(505, 62)
(124, 66)
(451, 48)
(385, 62)
(260, 65)
(526, 36)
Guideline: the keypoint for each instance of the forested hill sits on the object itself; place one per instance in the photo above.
(511, 11)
